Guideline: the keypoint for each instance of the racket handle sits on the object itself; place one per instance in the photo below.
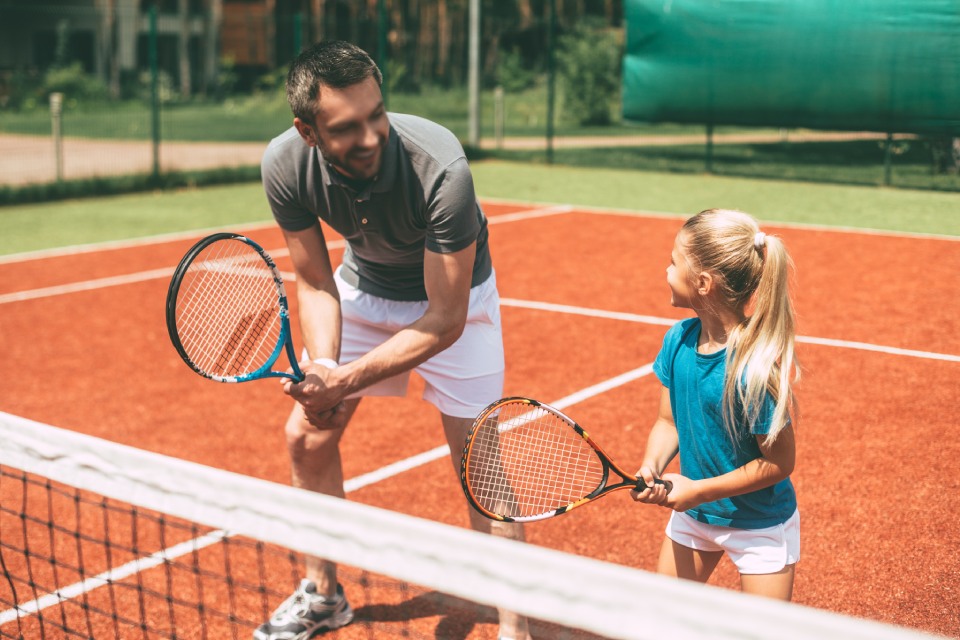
(641, 485)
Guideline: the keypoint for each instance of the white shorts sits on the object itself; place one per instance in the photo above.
(462, 379)
(753, 551)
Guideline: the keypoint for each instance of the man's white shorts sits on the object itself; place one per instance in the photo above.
(462, 379)
(753, 551)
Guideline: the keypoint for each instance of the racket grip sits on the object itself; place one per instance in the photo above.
(641, 485)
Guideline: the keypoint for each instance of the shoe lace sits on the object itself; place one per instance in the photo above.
(299, 604)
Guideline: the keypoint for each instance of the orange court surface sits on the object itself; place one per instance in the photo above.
(584, 300)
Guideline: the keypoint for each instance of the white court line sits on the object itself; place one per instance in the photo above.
(351, 485)
(242, 229)
(632, 317)
(669, 215)
(89, 285)
(506, 302)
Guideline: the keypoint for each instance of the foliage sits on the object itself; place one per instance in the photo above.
(75, 85)
(512, 74)
(589, 70)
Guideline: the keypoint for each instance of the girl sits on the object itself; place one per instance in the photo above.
(727, 408)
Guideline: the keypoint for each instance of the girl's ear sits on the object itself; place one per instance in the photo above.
(704, 283)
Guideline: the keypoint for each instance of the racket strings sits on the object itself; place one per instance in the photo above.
(527, 461)
(228, 314)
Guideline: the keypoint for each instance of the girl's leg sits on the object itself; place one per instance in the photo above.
(683, 562)
(777, 585)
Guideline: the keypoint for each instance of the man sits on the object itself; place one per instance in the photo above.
(416, 289)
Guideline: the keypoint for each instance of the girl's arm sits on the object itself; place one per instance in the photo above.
(662, 445)
(775, 464)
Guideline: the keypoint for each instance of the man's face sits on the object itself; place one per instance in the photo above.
(350, 128)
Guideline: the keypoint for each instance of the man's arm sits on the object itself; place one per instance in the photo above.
(317, 296)
(447, 278)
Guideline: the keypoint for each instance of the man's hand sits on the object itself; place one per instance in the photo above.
(320, 394)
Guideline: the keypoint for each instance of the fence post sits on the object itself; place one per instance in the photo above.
(56, 121)
(709, 158)
(498, 116)
(154, 92)
(551, 75)
(887, 160)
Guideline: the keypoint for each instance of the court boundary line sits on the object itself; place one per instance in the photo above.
(667, 215)
(110, 245)
(174, 236)
(154, 274)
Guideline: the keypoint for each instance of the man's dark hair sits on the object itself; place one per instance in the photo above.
(333, 63)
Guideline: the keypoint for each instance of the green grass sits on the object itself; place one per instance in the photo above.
(851, 162)
(41, 226)
(260, 117)
(903, 210)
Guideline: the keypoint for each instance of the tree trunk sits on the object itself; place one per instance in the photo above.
(211, 46)
(443, 40)
(183, 47)
(423, 71)
(319, 19)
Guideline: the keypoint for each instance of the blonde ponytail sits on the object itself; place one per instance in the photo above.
(753, 271)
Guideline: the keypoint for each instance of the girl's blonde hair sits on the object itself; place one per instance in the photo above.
(752, 271)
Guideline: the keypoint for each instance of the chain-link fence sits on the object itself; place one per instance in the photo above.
(192, 90)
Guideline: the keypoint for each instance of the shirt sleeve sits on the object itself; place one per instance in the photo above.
(663, 365)
(452, 211)
(281, 180)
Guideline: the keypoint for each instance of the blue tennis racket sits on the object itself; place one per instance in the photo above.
(227, 311)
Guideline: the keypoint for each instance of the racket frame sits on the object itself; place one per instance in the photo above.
(628, 480)
(284, 340)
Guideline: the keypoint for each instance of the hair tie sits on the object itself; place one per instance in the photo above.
(759, 240)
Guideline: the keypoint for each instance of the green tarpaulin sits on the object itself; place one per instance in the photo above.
(877, 65)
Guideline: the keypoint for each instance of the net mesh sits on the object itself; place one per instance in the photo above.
(99, 540)
(228, 314)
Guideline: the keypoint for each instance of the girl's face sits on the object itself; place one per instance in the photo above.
(680, 278)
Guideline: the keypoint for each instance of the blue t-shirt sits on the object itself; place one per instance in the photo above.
(695, 382)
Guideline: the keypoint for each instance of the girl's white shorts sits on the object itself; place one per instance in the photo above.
(753, 551)
(462, 379)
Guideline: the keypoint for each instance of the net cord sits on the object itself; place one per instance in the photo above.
(576, 591)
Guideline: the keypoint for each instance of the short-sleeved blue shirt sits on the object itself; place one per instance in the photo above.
(695, 382)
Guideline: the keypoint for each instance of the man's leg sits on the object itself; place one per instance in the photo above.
(512, 625)
(318, 604)
(315, 466)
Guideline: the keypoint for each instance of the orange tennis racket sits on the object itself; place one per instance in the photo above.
(525, 461)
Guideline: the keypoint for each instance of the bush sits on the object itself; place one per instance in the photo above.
(512, 73)
(74, 84)
(589, 70)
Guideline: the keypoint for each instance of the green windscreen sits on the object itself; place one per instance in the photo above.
(879, 65)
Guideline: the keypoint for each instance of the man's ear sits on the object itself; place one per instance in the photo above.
(306, 131)
(704, 283)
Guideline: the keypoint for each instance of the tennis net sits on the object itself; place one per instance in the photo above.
(100, 540)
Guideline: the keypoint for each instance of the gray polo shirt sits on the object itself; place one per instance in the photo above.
(423, 198)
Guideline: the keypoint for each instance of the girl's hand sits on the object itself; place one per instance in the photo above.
(654, 493)
(685, 493)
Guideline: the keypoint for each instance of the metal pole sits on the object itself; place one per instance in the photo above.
(473, 74)
(154, 91)
(498, 116)
(709, 147)
(887, 160)
(551, 76)
(56, 118)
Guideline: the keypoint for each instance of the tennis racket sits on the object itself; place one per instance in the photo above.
(227, 311)
(525, 461)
